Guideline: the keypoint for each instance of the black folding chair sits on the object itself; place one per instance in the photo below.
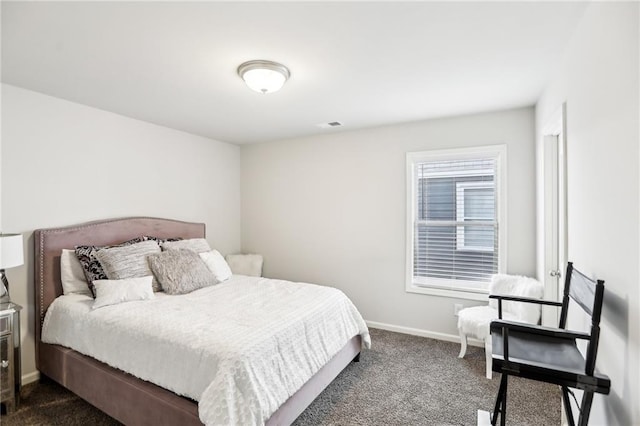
(551, 354)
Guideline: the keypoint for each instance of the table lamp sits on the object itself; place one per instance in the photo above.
(10, 257)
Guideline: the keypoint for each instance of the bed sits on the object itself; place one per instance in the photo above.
(124, 397)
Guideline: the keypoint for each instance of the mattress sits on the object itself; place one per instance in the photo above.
(240, 348)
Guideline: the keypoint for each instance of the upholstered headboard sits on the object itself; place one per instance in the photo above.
(50, 242)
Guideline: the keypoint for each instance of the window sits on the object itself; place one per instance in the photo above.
(455, 217)
(475, 202)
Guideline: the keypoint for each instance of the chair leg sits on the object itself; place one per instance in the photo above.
(585, 408)
(567, 406)
(501, 402)
(463, 343)
(487, 356)
(503, 414)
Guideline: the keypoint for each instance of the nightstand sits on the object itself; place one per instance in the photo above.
(10, 371)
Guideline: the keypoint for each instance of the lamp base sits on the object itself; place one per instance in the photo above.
(4, 288)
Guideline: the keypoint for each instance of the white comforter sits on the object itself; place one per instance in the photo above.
(240, 348)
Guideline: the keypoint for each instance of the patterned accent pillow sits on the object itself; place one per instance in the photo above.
(199, 245)
(91, 266)
(181, 271)
(129, 261)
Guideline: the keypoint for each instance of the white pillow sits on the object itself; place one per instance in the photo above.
(112, 292)
(72, 275)
(216, 264)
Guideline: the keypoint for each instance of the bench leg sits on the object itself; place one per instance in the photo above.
(488, 349)
(463, 344)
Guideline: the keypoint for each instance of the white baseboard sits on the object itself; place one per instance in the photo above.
(423, 333)
(30, 377)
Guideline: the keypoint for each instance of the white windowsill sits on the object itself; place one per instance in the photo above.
(480, 295)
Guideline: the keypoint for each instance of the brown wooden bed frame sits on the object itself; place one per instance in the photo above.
(122, 396)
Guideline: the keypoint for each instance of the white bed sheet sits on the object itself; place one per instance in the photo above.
(240, 348)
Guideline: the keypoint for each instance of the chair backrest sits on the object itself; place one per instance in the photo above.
(588, 294)
(516, 285)
(245, 264)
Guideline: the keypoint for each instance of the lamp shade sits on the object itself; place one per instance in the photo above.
(263, 76)
(10, 250)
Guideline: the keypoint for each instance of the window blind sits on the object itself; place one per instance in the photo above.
(456, 227)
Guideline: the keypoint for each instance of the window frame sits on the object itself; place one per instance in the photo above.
(444, 287)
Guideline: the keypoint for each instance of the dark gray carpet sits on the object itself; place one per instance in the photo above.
(409, 380)
(402, 380)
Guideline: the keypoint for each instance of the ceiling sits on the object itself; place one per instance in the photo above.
(364, 64)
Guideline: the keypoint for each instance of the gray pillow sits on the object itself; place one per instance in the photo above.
(91, 266)
(181, 271)
(129, 261)
(199, 245)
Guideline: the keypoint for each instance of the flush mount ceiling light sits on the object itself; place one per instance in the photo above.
(263, 76)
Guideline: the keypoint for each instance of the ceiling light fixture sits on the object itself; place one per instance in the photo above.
(264, 76)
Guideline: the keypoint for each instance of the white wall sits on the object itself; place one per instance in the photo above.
(65, 163)
(331, 209)
(599, 81)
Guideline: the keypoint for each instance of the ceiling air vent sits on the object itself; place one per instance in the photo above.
(329, 125)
